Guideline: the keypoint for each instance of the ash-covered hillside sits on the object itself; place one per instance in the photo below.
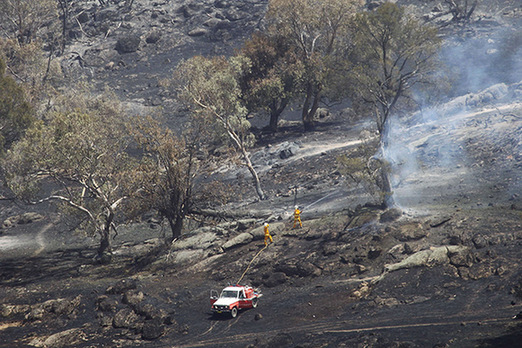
(441, 269)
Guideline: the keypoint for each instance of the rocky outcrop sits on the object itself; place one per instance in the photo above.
(242, 239)
(67, 338)
(22, 219)
(454, 254)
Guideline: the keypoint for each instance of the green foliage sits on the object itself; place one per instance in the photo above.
(165, 175)
(394, 53)
(274, 76)
(83, 154)
(319, 32)
(363, 169)
(211, 89)
(16, 113)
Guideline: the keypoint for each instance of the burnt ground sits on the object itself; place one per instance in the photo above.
(441, 270)
(332, 283)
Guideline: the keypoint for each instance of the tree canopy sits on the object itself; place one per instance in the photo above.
(210, 87)
(16, 113)
(83, 154)
(394, 52)
(320, 32)
(274, 77)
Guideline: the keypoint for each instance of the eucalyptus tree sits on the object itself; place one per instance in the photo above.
(211, 89)
(273, 80)
(167, 171)
(320, 32)
(16, 114)
(394, 54)
(80, 156)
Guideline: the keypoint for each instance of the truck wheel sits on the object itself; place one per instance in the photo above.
(233, 312)
(254, 303)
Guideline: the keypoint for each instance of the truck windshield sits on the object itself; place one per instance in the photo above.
(229, 293)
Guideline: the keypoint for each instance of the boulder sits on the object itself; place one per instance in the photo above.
(198, 32)
(390, 215)
(460, 256)
(322, 113)
(67, 338)
(411, 231)
(290, 269)
(122, 286)
(184, 256)
(456, 255)
(287, 150)
(418, 259)
(189, 10)
(195, 241)
(27, 218)
(106, 304)
(234, 15)
(241, 239)
(132, 297)
(22, 219)
(306, 269)
(126, 318)
(150, 312)
(64, 306)
(128, 44)
(153, 37)
(152, 329)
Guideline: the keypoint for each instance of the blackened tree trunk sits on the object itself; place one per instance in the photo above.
(310, 106)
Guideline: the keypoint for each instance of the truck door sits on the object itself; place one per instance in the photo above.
(243, 301)
(213, 296)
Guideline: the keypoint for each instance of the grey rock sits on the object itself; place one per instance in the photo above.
(198, 32)
(461, 257)
(64, 306)
(122, 286)
(306, 269)
(411, 231)
(202, 240)
(106, 304)
(126, 318)
(241, 239)
(289, 269)
(222, 4)
(67, 338)
(152, 329)
(480, 242)
(150, 312)
(133, 297)
(128, 44)
(189, 10)
(153, 37)
(390, 215)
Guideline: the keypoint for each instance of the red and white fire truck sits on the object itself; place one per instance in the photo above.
(233, 299)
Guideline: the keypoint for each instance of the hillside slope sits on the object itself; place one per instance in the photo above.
(442, 270)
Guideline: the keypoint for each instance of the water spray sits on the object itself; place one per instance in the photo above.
(320, 199)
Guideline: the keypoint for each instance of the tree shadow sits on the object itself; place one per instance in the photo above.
(55, 265)
(511, 338)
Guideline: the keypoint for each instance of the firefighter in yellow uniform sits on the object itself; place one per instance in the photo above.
(297, 217)
(267, 235)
